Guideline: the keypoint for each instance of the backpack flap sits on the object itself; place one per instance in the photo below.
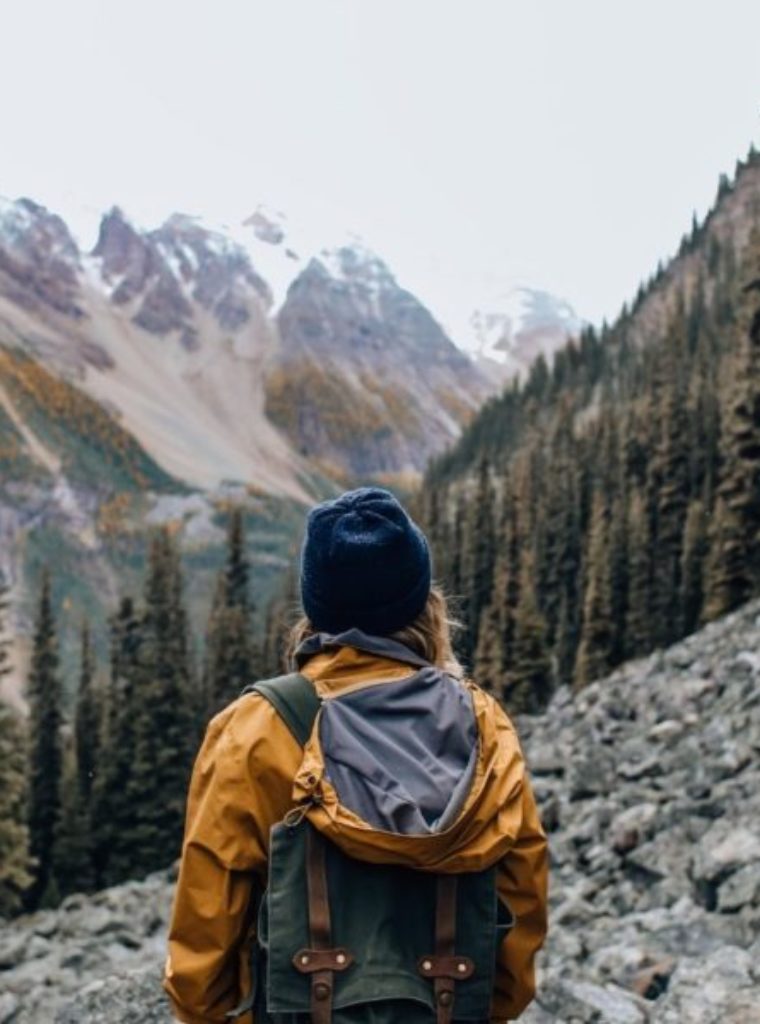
(381, 925)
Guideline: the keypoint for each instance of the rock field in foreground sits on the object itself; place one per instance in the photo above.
(649, 784)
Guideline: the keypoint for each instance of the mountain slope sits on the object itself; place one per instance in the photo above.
(364, 378)
(175, 331)
(168, 330)
(607, 505)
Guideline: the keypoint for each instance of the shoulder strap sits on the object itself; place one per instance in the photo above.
(294, 699)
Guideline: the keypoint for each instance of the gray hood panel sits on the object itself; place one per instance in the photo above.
(401, 755)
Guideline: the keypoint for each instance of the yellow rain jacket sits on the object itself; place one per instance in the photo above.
(251, 771)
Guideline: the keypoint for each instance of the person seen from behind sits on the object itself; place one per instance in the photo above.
(362, 843)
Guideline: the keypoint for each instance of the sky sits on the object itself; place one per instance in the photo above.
(476, 145)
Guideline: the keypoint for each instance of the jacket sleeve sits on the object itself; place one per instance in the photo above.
(241, 785)
(522, 883)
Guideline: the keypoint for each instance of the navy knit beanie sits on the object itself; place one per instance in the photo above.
(364, 564)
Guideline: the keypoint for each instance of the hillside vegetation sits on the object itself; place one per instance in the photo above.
(88, 444)
(608, 506)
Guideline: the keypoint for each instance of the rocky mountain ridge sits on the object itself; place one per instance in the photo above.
(177, 333)
(649, 787)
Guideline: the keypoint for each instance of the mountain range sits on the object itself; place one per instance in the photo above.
(163, 373)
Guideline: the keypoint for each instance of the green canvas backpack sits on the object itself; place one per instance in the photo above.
(340, 941)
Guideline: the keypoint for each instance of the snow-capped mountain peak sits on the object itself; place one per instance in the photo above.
(516, 326)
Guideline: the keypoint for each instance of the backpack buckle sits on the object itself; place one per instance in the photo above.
(309, 961)
(458, 968)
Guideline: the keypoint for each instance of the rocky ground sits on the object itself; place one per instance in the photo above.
(649, 784)
(91, 950)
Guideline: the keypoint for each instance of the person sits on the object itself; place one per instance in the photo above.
(427, 766)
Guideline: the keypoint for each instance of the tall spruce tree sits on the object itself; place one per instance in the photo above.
(638, 626)
(15, 873)
(479, 563)
(671, 465)
(112, 803)
(619, 555)
(44, 696)
(15, 865)
(695, 552)
(509, 575)
(734, 566)
(232, 658)
(488, 662)
(496, 625)
(166, 725)
(530, 679)
(88, 718)
(72, 850)
(5, 640)
(594, 653)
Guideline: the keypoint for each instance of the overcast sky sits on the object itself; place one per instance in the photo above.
(475, 144)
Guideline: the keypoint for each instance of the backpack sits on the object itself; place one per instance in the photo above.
(342, 941)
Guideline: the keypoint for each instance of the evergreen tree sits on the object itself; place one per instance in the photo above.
(558, 586)
(166, 727)
(638, 626)
(88, 719)
(671, 464)
(594, 653)
(237, 571)
(113, 809)
(508, 574)
(705, 425)
(45, 753)
(479, 567)
(72, 850)
(232, 660)
(618, 582)
(15, 866)
(734, 567)
(456, 571)
(282, 612)
(566, 644)
(695, 550)
(529, 679)
(5, 640)
(488, 666)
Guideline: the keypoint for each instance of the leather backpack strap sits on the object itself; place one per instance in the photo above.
(320, 959)
(319, 927)
(445, 934)
(294, 699)
(444, 966)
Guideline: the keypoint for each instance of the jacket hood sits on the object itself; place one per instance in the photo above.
(406, 764)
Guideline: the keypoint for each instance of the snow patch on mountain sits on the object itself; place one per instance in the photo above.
(514, 327)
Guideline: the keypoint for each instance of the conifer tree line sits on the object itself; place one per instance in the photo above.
(610, 504)
(96, 796)
(15, 876)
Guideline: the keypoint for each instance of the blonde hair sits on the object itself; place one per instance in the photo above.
(429, 635)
